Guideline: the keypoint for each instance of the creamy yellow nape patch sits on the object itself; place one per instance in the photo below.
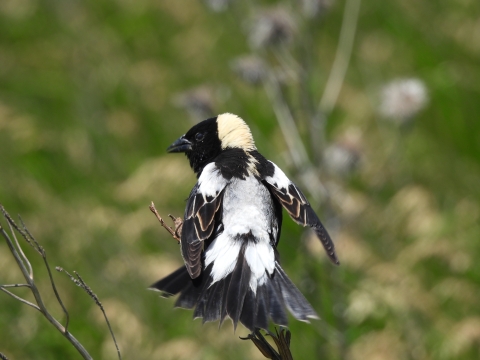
(233, 132)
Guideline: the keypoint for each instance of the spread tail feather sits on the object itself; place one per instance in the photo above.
(232, 296)
(173, 283)
(293, 298)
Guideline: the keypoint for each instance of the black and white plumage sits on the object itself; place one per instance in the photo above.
(232, 227)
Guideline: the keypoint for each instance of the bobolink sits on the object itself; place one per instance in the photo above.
(231, 230)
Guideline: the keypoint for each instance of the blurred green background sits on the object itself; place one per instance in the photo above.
(92, 92)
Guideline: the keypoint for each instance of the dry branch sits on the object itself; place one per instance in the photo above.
(81, 283)
(281, 339)
(27, 271)
(177, 222)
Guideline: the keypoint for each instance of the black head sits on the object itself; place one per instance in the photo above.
(201, 144)
(212, 137)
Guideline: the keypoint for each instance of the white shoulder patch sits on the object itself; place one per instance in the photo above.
(211, 182)
(233, 132)
(278, 179)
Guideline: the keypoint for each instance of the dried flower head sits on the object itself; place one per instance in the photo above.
(402, 99)
(250, 68)
(218, 5)
(271, 28)
(313, 8)
(198, 102)
(343, 156)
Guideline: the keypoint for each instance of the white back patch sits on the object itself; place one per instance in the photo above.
(247, 208)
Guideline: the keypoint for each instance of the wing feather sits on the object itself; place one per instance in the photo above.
(199, 219)
(298, 207)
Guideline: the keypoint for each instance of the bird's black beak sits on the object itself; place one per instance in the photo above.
(180, 145)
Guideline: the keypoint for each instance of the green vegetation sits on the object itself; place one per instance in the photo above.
(92, 93)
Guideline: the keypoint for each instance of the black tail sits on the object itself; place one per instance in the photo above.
(233, 297)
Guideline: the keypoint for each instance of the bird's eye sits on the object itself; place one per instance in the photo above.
(199, 136)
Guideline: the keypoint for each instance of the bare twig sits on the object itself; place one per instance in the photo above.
(27, 235)
(178, 223)
(3, 357)
(26, 269)
(281, 339)
(81, 283)
(26, 302)
(22, 258)
(38, 248)
(14, 285)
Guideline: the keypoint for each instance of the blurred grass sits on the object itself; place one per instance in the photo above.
(86, 113)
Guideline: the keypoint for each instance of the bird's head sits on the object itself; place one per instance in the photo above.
(209, 138)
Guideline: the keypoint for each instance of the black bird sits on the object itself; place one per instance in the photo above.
(232, 227)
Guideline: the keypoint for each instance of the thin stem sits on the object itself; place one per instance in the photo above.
(26, 234)
(178, 222)
(20, 255)
(284, 117)
(289, 64)
(29, 279)
(54, 287)
(293, 140)
(342, 56)
(17, 256)
(81, 283)
(11, 223)
(29, 238)
(97, 301)
(14, 285)
(2, 287)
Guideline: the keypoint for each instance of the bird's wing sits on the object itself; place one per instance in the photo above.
(199, 220)
(297, 206)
